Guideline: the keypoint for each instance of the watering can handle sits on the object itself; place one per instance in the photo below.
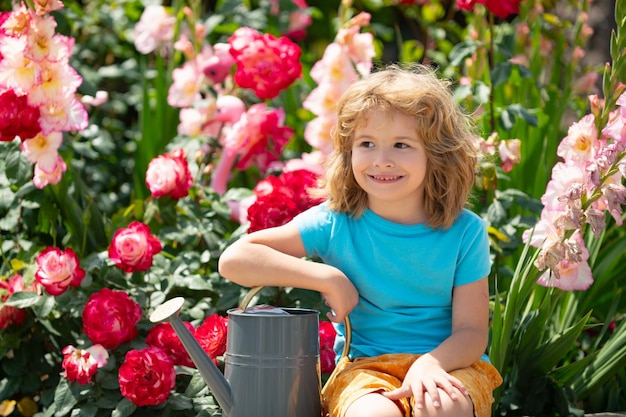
(346, 321)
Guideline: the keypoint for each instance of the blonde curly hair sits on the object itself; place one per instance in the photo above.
(445, 130)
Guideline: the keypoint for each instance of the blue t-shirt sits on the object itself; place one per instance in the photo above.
(404, 274)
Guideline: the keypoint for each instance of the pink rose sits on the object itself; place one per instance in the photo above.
(211, 335)
(327, 342)
(133, 247)
(58, 269)
(147, 376)
(81, 365)
(110, 318)
(169, 175)
(164, 337)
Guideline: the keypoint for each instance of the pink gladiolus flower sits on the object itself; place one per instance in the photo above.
(212, 335)
(616, 127)
(581, 143)
(80, 365)
(327, 342)
(10, 315)
(254, 133)
(265, 64)
(17, 117)
(65, 114)
(47, 6)
(169, 175)
(147, 376)
(572, 275)
(185, 89)
(217, 64)
(57, 270)
(510, 153)
(132, 248)
(154, 29)
(43, 150)
(42, 177)
(358, 46)
(162, 336)
(249, 140)
(110, 318)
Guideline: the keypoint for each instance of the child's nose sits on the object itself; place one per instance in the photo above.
(383, 159)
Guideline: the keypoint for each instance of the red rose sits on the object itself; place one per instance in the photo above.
(164, 337)
(17, 118)
(133, 247)
(271, 210)
(211, 335)
(58, 269)
(327, 342)
(280, 199)
(265, 64)
(110, 318)
(147, 376)
(81, 365)
(8, 314)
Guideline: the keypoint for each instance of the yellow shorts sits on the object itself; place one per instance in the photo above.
(352, 380)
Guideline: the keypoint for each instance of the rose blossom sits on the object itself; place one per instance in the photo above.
(327, 334)
(8, 314)
(58, 269)
(257, 138)
(164, 337)
(169, 175)
(81, 365)
(279, 199)
(211, 335)
(133, 247)
(147, 376)
(265, 64)
(110, 318)
(17, 117)
(500, 8)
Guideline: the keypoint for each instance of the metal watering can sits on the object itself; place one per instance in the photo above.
(272, 366)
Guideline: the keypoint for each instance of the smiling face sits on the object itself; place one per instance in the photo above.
(389, 162)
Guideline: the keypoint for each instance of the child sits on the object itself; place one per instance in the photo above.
(401, 255)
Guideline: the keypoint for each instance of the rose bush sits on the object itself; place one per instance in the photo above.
(138, 142)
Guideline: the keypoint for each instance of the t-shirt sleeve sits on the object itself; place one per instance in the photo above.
(315, 226)
(474, 260)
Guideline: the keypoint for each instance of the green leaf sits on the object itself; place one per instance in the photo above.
(500, 73)
(557, 347)
(179, 402)
(64, 398)
(23, 299)
(85, 410)
(196, 385)
(461, 51)
(124, 408)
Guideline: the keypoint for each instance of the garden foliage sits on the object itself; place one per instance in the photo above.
(140, 138)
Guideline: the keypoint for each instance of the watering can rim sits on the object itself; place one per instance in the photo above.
(238, 311)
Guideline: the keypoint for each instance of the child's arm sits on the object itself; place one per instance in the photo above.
(274, 257)
(467, 343)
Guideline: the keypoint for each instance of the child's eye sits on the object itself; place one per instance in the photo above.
(401, 145)
(366, 144)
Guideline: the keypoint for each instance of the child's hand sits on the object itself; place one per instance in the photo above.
(427, 376)
(341, 296)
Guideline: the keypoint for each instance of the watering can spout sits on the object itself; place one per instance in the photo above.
(215, 380)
